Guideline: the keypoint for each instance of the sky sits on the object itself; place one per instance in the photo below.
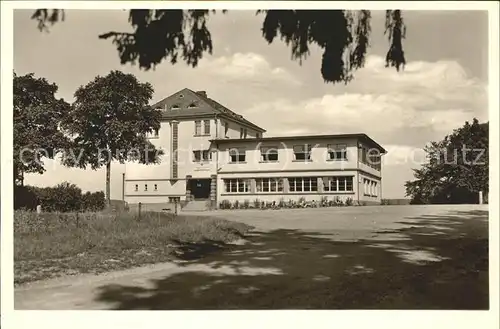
(443, 85)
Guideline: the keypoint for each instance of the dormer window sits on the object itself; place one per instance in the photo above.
(175, 107)
(192, 105)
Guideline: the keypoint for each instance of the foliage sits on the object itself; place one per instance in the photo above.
(109, 121)
(37, 115)
(93, 201)
(343, 35)
(282, 204)
(457, 168)
(64, 197)
(25, 197)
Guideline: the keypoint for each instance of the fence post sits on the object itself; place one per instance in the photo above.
(39, 209)
(140, 206)
(175, 207)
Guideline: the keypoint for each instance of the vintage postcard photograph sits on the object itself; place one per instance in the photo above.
(292, 157)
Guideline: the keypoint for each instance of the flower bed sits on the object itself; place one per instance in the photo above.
(283, 204)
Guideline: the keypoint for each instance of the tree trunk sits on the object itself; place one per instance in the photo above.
(108, 185)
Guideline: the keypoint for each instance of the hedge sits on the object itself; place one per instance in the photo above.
(64, 197)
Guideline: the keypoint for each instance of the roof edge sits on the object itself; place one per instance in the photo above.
(277, 138)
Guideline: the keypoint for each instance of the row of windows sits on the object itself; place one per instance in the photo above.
(270, 154)
(146, 187)
(301, 153)
(296, 184)
(370, 187)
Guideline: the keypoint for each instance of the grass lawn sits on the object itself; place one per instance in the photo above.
(55, 244)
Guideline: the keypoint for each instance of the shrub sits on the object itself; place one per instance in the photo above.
(324, 201)
(25, 197)
(64, 197)
(282, 203)
(236, 205)
(256, 203)
(246, 204)
(93, 201)
(225, 204)
(348, 201)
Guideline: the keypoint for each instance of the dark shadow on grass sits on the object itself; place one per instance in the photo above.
(289, 269)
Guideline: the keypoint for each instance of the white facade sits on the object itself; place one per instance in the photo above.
(224, 157)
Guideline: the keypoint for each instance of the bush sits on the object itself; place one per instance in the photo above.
(246, 204)
(93, 201)
(282, 203)
(348, 202)
(225, 204)
(64, 197)
(256, 203)
(25, 197)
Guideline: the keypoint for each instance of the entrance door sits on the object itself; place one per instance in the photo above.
(200, 188)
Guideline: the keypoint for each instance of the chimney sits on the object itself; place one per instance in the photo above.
(202, 93)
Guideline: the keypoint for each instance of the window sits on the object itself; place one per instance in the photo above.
(136, 187)
(145, 187)
(338, 184)
(174, 199)
(269, 185)
(237, 185)
(303, 184)
(374, 191)
(302, 152)
(202, 155)
(257, 135)
(366, 184)
(237, 155)
(226, 128)
(197, 127)
(207, 127)
(156, 187)
(337, 152)
(269, 154)
(374, 159)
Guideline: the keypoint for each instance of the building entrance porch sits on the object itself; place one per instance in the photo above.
(199, 188)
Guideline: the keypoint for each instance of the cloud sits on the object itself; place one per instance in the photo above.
(397, 155)
(247, 67)
(424, 102)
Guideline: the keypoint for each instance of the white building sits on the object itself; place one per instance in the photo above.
(213, 154)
